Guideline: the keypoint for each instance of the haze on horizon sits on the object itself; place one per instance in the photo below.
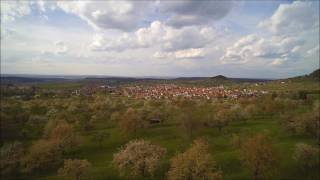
(257, 39)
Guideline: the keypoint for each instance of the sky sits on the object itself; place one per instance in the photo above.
(253, 39)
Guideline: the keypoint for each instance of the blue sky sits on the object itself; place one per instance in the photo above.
(259, 39)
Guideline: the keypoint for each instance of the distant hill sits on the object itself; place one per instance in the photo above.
(219, 77)
(222, 78)
(14, 80)
(113, 80)
(190, 78)
(315, 75)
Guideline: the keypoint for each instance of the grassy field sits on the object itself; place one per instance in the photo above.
(61, 85)
(285, 85)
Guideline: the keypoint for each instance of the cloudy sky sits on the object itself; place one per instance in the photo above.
(261, 39)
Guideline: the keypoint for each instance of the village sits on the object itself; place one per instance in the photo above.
(160, 91)
(168, 91)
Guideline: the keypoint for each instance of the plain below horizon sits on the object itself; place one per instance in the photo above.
(61, 76)
(74, 76)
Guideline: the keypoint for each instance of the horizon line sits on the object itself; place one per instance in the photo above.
(63, 76)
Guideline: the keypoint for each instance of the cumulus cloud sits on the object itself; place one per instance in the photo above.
(181, 54)
(188, 37)
(172, 39)
(157, 35)
(102, 43)
(10, 10)
(278, 47)
(171, 33)
(122, 15)
(253, 47)
(285, 40)
(313, 51)
(148, 36)
(14, 9)
(241, 51)
(125, 15)
(192, 12)
(293, 18)
(190, 53)
(61, 47)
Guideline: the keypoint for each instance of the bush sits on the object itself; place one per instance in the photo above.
(43, 155)
(195, 163)
(74, 168)
(63, 134)
(307, 123)
(10, 158)
(258, 155)
(131, 122)
(139, 157)
(306, 155)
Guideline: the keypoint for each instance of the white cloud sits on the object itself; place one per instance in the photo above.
(181, 54)
(125, 15)
(190, 53)
(313, 51)
(188, 37)
(102, 43)
(10, 10)
(14, 9)
(253, 47)
(278, 46)
(285, 40)
(61, 47)
(127, 40)
(278, 61)
(122, 15)
(293, 18)
(157, 35)
(44, 5)
(193, 12)
(241, 51)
